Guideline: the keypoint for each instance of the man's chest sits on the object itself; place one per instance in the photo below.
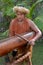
(21, 27)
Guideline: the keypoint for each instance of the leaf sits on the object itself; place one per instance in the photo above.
(33, 7)
(39, 22)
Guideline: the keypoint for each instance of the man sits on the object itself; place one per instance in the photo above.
(21, 25)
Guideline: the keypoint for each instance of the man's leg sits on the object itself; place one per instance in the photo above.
(29, 58)
(29, 61)
(19, 63)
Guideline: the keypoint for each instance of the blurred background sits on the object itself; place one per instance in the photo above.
(36, 14)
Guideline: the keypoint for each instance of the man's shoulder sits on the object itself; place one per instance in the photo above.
(28, 20)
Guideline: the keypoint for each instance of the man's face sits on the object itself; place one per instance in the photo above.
(20, 15)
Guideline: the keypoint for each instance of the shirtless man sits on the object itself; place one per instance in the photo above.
(20, 25)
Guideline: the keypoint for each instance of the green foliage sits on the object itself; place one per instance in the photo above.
(39, 22)
(6, 7)
(4, 34)
(40, 13)
(39, 19)
(33, 7)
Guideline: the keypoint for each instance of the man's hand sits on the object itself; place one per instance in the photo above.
(32, 42)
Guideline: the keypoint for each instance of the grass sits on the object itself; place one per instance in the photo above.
(37, 58)
(38, 54)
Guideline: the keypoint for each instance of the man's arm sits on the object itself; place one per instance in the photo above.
(36, 29)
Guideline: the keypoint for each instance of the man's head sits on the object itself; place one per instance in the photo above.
(20, 11)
